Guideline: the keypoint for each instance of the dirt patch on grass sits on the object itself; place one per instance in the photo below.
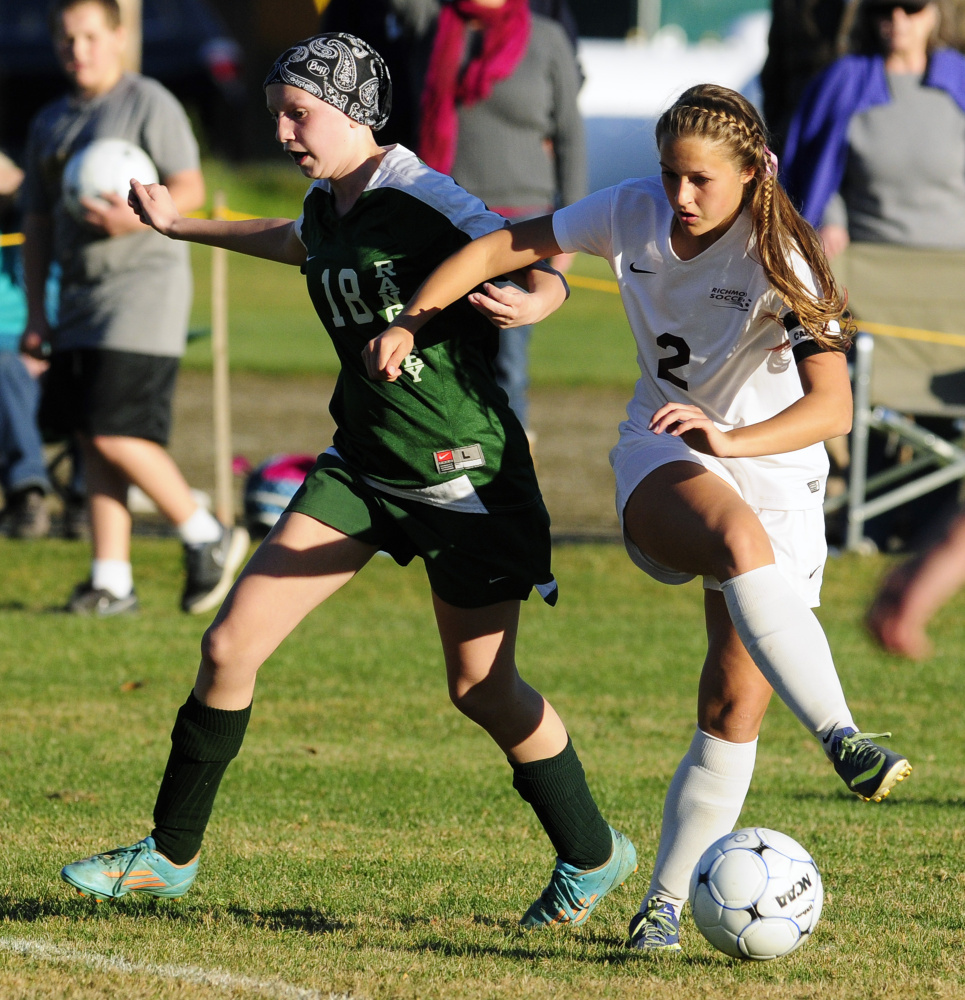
(575, 429)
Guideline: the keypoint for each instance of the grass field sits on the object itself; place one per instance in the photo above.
(368, 843)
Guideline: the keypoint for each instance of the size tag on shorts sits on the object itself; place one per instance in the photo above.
(456, 459)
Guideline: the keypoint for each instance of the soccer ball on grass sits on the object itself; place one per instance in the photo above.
(102, 167)
(756, 894)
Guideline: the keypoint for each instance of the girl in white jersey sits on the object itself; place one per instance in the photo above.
(720, 468)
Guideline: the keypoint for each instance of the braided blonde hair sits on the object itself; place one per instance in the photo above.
(727, 119)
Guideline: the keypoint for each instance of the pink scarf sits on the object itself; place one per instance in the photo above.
(504, 41)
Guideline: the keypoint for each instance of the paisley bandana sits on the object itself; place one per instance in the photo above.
(340, 70)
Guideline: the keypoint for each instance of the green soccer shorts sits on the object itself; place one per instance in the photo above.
(471, 560)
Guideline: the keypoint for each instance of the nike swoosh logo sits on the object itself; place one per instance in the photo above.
(640, 270)
(813, 571)
(496, 579)
(868, 774)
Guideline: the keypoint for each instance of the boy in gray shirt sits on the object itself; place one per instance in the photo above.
(124, 302)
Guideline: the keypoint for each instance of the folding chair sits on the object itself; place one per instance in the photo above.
(909, 361)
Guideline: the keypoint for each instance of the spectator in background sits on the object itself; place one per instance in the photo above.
(123, 311)
(497, 81)
(499, 113)
(403, 31)
(876, 153)
(23, 473)
(876, 149)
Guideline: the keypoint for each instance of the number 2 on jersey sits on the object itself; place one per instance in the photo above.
(678, 359)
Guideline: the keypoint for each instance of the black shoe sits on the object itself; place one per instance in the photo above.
(27, 514)
(76, 519)
(211, 568)
(85, 600)
(869, 770)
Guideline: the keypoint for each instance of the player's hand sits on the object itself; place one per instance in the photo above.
(694, 426)
(110, 214)
(506, 306)
(153, 205)
(383, 355)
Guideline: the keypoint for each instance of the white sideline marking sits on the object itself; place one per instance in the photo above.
(274, 988)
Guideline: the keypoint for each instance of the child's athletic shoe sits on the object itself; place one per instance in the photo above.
(656, 927)
(138, 868)
(27, 513)
(100, 603)
(867, 769)
(210, 569)
(573, 894)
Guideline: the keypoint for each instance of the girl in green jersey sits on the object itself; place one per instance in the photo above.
(434, 464)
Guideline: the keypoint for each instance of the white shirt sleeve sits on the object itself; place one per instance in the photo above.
(587, 225)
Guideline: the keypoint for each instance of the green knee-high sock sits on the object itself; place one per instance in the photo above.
(203, 742)
(556, 788)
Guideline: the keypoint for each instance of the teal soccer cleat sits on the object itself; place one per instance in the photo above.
(867, 769)
(573, 894)
(656, 927)
(138, 868)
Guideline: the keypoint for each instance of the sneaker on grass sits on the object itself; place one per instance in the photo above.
(870, 771)
(573, 894)
(27, 513)
(210, 570)
(656, 927)
(138, 868)
(100, 603)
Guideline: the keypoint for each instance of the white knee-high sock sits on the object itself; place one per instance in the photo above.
(703, 802)
(789, 646)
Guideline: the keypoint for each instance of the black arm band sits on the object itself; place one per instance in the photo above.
(805, 349)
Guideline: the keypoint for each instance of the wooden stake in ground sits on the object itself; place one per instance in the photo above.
(223, 492)
(131, 19)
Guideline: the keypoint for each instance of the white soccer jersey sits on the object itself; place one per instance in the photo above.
(705, 330)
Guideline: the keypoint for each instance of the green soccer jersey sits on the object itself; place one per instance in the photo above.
(443, 432)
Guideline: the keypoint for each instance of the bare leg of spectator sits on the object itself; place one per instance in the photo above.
(149, 466)
(913, 592)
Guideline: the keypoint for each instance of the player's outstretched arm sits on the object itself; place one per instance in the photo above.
(500, 252)
(271, 239)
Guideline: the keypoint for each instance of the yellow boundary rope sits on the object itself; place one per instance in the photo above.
(593, 284)
(910, 333)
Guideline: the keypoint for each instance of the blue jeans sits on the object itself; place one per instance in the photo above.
(21, 448)
(512, 369)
